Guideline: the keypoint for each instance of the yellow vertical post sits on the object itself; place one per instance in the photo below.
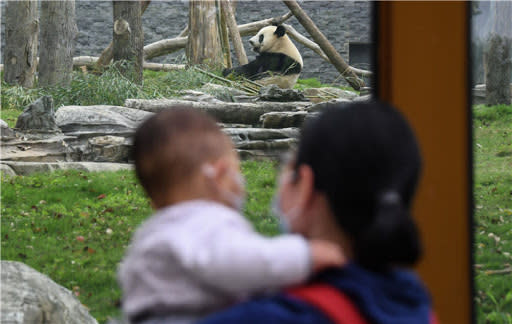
(423, 69)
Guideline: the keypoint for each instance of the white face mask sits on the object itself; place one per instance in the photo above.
(285, 218)
(236, 200)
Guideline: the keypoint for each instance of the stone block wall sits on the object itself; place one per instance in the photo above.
(340, 21)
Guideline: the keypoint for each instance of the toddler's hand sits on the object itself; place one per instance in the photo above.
(325, 254)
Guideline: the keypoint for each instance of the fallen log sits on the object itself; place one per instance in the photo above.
(164, 47)
(224, 112)
(90, 61)
(254, 27)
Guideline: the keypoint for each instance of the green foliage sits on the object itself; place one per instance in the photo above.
(75, 226)
(493, 212)
(109, 88)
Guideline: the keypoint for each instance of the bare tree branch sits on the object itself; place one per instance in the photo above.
(324, 44)
(293, 33)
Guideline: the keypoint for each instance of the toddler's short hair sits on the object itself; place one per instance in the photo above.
(171, 145)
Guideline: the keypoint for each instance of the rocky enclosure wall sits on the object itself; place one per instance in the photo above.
(341, 22)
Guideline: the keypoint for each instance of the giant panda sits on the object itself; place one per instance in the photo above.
(279, 62)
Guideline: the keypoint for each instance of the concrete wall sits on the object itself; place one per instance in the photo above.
(341, 22)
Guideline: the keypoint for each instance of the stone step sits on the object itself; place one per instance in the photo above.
(27, 168)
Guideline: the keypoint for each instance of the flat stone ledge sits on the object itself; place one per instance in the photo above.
(27, 168)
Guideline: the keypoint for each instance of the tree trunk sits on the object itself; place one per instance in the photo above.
(224, 37)
(21, 31)
(128, 38)
(108, 53)
(498, 56)
(58, 31)
(229, 17)
(204, 45)
(324, 44)
(499, 70)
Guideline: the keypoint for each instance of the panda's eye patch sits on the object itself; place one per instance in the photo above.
(261, 39)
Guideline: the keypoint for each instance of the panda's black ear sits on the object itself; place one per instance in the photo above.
(280, 31)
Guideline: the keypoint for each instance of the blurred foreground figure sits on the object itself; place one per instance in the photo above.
(197, 253)
(352, 182)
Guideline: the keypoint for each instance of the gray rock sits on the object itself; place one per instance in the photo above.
(5, 131)
(276, 144)
(6, 171)
(317, 94)
(479, 94)
(365, 91)
(242, 135)
(108, 149)
(363, 98)
(275, 93)
(92, 121)
(193, 95)
(222, 93)
(225, 112)
(322, 105)
(37, 147)
(29, 297)
(38, 116)
(283, 119)
(26, 168)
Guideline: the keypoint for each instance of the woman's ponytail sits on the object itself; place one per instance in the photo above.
(392, 238)
(366, 160)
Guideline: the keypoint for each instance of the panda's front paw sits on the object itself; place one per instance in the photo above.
(226, 72)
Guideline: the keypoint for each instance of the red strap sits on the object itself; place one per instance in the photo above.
(333, 303)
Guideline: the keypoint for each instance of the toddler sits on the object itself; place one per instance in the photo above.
(197, 253)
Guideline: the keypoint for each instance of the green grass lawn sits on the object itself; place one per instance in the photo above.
(493, 212)
(74, 226)
(45, 216)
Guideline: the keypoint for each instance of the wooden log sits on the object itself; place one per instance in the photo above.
(229, 17)
(324, 44)
(164, 47)
(90, 62)
(225, 112)
(293, 33)
(21, 40)
(184, 32)
(163, 67)
(254, 27)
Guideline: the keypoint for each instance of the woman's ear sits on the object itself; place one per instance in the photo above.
(305, 186)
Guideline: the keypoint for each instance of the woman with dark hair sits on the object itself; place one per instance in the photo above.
(351, 182)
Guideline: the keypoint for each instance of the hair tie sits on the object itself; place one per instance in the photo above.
(390, 197)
